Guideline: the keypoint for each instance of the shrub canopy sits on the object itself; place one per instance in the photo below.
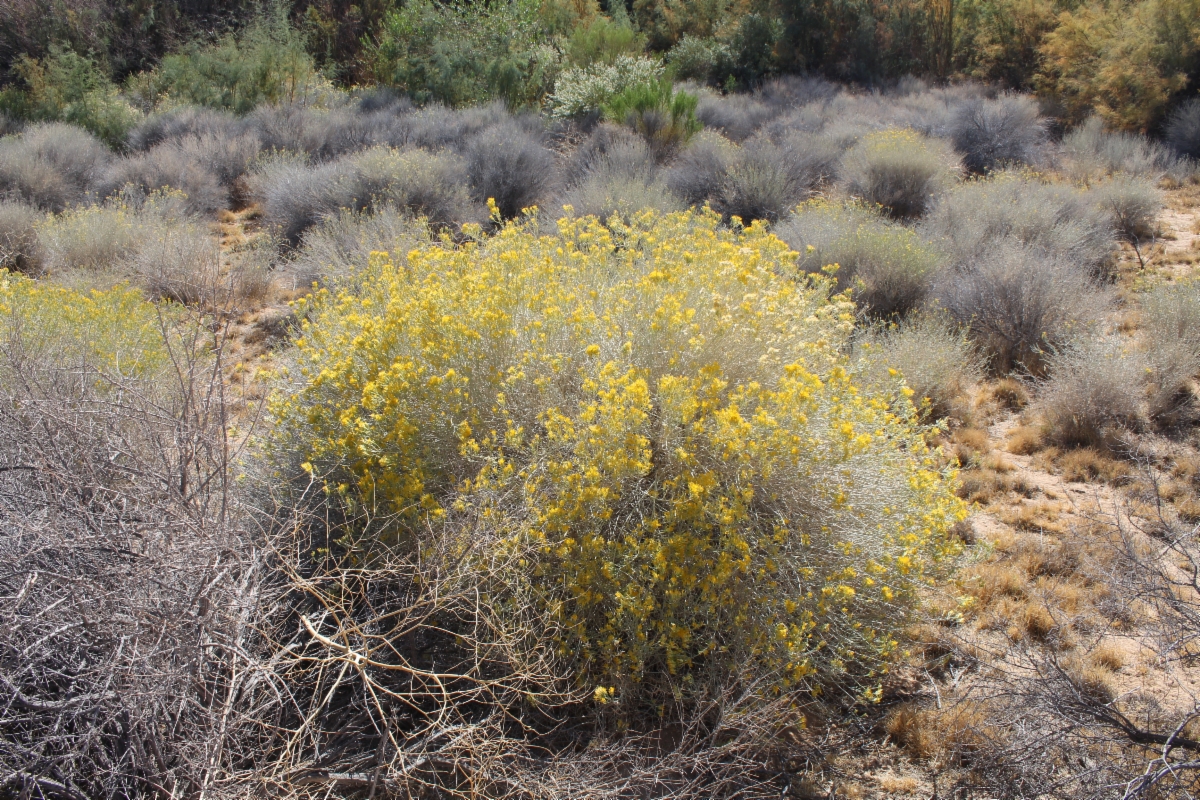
(658, 418)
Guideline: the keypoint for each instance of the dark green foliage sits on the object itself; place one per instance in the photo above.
(462, 54)
(67, 87)
(601, 40)
(264, 63)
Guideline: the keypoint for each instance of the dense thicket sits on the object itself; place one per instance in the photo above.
(1132, 62)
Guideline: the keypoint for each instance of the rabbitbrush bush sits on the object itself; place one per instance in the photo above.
(658, 419)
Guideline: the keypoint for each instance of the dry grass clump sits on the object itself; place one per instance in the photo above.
(1094, 387)
(936, 362)
(996, 133)
(1025, 440)
(887, 267)
(1088, 464)
(1010, 393)
(899, 170)
(20, 250)
(981, 216)
(51, 165)
(1019, 303)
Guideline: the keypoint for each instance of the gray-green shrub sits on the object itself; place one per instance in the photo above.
(510, 165)
(1171, 336)
(1094, 386)
(20, 249)
(167, 166)
(1020, 303)
(1092, 152)
(767, 179)
(51, 165)
(935, 358)
(994, 133)
(296, 196)
(622, 179)
(977, 217)
(899, 170)
(886, 265)
(1183, 129)
(698, 173)
(736, 116)
(337, 248)
(1132, 205)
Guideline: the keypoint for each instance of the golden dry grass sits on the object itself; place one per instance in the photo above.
(1024, 441)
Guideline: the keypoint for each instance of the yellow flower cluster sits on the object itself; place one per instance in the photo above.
(659, 417)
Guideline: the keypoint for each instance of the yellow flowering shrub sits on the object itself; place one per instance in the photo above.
(117, 332)
(659, 418)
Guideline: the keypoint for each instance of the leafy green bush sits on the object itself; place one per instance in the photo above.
(887, 266)
(707, 60)
(265, 63)
(67, 87)
(642, 447)
(465, 53)
(1123, 61)
(665, 118)
(899, 170)
(601, 40)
